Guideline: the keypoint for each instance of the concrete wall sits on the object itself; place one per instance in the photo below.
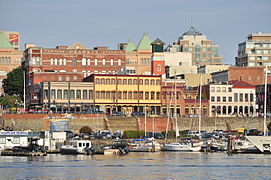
(96, 122)
(39, 122)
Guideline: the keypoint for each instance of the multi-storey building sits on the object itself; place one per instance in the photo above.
(138, 57)
(13, 38)
(126, 93)
(235, 98)
(256, 51)
(203, 50)
(65, 97)
(68, 64)
(10, 56)
(252, 75)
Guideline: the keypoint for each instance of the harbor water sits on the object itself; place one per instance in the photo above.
(160, 165)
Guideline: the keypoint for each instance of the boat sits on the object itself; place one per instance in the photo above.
(244, 146)
(181, 147)
(148, 145)
(178, 146)
(77, 147)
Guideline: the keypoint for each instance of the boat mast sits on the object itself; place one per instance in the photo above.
(175, 109)
(265, 97)
(145, 121)
(200, 89)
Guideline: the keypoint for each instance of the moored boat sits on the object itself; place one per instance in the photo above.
(77, 147)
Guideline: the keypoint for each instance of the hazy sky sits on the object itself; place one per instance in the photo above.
(49, 23)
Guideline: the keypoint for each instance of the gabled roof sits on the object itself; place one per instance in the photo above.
(77, 46)
(4, 43)
(145, 42)
(240, 84)
(157, 42)
(130, 46)
(193, 32)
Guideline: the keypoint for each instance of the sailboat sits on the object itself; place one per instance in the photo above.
(263, 143)
(178, 146)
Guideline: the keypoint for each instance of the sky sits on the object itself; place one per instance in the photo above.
(49, 23)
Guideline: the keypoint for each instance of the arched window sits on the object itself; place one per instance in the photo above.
(229, 110)
(64, 61)
(107, 81)
(104, 62)
(186, 110)
(84, 62)
(78, 94)
(224, 110)
(65, 94)
(59, 94)
(52, 61)
(55, 61)
(246, 110)
(60, 61)
(102, 81)
(113, 81)
(96, 62)
(74, 61)
(88, 62)
(218, 109)
(146, 82)
(135, 82)
(111, 62)
(152, 82)
(240, 109)
(235, 110)
(119, 62)
(97, 81)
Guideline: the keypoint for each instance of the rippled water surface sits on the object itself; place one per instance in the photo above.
(161, 165)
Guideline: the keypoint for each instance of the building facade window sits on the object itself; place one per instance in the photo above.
(78, 94)
(59, 94)
(90, 95)
(84, 62)
(72, 95)
(74, 61)
(85, 94)
(66, 94)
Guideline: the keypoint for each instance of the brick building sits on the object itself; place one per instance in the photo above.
(69, 64)
(10, 56)
(251, 75)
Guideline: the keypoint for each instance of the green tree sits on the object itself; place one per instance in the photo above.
(13, 84)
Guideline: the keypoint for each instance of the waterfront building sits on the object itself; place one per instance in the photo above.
(234, 98)
(252, 75)
(138, 57)
(256, 51)
(126, 93)
(64, 97)
(260, 93)
(10, 55)
(203, 50)
(68, 64)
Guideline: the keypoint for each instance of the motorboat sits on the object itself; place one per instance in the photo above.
(76, 147)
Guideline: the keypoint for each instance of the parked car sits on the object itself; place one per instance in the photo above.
(156, 135)
(138, 114)
(118, 114)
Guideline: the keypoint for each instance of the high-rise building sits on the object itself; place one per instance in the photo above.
(203, 50)
(256, 51)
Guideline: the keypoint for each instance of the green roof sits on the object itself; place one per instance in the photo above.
(130, 46)
(158, 42)
(145, 42)
(4, 43)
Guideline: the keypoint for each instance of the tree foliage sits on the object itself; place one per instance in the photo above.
(85, 130)
(13, 84)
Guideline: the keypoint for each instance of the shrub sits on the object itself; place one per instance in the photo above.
(130, 134)
(85, 130)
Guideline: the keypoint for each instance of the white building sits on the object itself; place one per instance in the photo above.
(236, 98)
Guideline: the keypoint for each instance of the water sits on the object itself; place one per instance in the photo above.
(160, 165)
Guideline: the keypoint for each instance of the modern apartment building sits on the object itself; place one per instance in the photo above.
(256, 51)
(203, 50)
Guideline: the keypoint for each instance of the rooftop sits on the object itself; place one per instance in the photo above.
(192, 32)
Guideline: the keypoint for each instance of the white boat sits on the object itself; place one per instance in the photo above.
(150, 145)
(76, 147)
(181, 147)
